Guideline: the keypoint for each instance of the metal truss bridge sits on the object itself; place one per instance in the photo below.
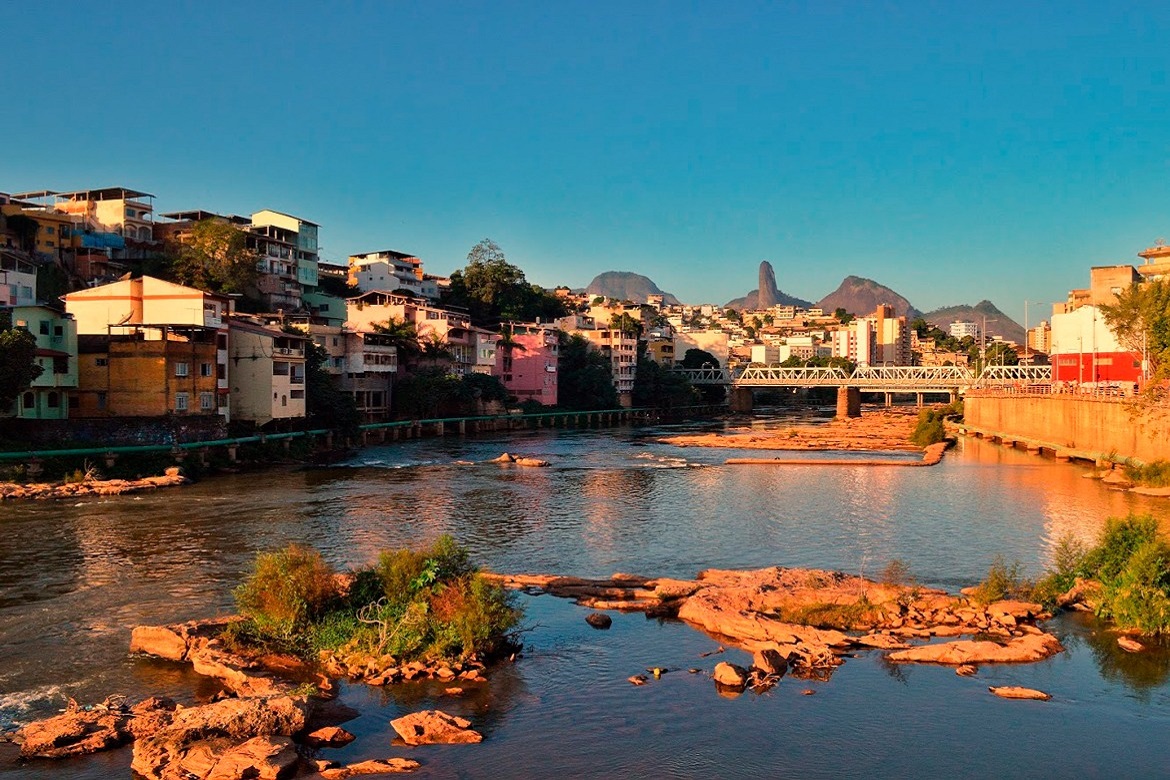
(875, 379)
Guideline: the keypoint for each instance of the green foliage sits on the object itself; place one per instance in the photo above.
(584, 376)
(1003, 582)
(433, 392)
(328, 406)
(930, 428)
(286, 591)
(843, 316)
(657, 386)
(428, 603)
(493, 290)
(1140, 318)
(699, 358)
(896, 572)
(18, 356)
(1154, 474)
(216, 257)
(1132, 564)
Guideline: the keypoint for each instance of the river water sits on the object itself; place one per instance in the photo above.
(75, 578)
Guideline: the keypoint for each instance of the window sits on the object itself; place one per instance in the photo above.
(50, 230)
(54, 400)
(279, 368)
(181, 401)
(30, 401)
(44, 327)
(60, 365)
(206, 402)
(101, 361)
(284, 400)
(101, 400)
(182, 369)
(204, 369)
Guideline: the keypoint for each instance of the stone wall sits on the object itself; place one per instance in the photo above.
(118, 431)
(1068, 422)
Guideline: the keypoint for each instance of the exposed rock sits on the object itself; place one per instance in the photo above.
(1130, 645)
(637, 679)
(599, 620)
(534, 462)
(74, 733)
(1025, 649)
(91, 487)
(730, 675)
(966, 670)
(198, 734)
(1117, 478)
(263, 758)
(1014, 692)
(162, 641)
(505, 458)
(372, 767)
(770, 662)
(435, 726)
(328, 736)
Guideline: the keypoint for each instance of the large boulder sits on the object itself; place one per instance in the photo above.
(1025, 649)
(162, 641)
(201, 736)
(435, 727)
(377, 766)
(730, 675)
(262, 758)
(74, 733)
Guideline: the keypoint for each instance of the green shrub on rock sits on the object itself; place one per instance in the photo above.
(287, 590)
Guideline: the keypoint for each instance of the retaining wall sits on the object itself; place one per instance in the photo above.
(1124, 428)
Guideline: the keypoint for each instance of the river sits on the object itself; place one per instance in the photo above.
(75, 578)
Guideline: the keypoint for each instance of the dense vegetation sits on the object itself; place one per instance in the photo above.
(492, 290)
(1130, 565)
(429, 604)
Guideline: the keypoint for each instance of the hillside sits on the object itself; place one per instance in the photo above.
(998, 323)
(627, 286)
(860, 297)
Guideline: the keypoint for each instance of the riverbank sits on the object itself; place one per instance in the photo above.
(876, 429)
(931, 456)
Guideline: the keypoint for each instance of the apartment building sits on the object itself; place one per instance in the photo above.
(527, 360)
(622, 350)
(52, 394)
(390, 270)
(452, 329)
(267, 371)
(364, 365)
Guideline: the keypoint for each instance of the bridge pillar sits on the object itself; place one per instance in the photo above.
(741, 399)
(848, 402)
(889, 399)
(918, 397)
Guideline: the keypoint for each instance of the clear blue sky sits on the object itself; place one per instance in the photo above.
(952, 151)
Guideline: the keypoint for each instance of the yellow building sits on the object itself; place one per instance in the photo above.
(144, 371)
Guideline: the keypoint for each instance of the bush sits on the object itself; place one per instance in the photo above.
(1155, 474)
(1003, 582)
(1121, 538)
(430, 603)
(930, 428)
(286, 590)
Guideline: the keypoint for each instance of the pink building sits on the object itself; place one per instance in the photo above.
(527, 363)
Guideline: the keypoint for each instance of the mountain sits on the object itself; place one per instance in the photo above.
(861, 296)
(627, 286)
(766, 295)
(998, 323)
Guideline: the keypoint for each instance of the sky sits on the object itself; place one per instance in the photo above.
(952, 151)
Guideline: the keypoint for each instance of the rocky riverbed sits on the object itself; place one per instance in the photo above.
(90, 487)
(876, 429)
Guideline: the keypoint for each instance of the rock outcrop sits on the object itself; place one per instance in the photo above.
(1015, 692)
(198, 739)
(90, 487)
(767, 294)
(377, 766)
(435, 727)
(1025, 649)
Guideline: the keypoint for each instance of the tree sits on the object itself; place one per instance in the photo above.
(326, 404)
(657, 386)
(699, 358)
(626, 324)
(1140, 319)
(584, 376)
(493, 290)
(216, 257)
(920, 326)
(842, 315)
(18, 350)
(404, 336)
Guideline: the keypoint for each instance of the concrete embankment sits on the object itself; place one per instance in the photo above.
(1073, 426)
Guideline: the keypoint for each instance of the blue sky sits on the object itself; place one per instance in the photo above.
(951, 151)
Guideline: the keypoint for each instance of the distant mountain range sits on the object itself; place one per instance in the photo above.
(855, 294)
(627, 286)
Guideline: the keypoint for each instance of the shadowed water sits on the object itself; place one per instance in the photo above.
(74, 579)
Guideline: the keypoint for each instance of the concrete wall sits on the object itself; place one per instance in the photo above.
(1073, 423)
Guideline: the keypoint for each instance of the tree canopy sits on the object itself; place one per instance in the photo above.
(493, 290)
(657, 386)
(699, 358)
(216, 257)
(326, 404)
(18, 350)
(584, 376)
(1141, 321)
